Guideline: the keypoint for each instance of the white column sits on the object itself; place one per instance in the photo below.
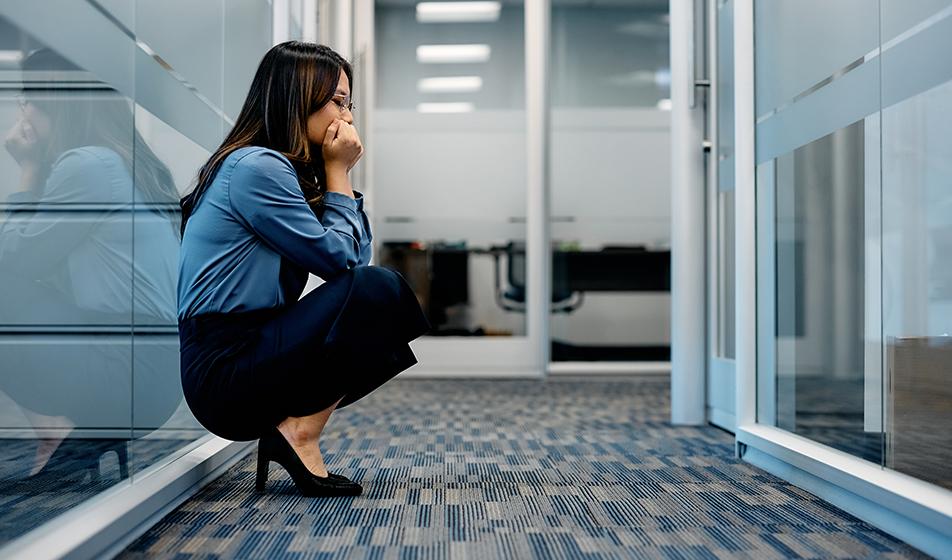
(280, 16)
(309, 25)
(538, 253)
(343, 27)
(745, 214)
(688, 274)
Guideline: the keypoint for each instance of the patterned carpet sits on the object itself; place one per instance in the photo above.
(565, 468)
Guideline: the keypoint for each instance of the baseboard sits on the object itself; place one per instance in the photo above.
(909, 509)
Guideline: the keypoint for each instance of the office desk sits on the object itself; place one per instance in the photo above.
(442, 271)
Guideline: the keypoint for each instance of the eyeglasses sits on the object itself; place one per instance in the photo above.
(343, 101)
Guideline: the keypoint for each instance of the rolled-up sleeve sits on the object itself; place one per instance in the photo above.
(264, 194)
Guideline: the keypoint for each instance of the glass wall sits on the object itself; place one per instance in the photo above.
(610, 181)
(853, 150)
(108, 109)
(721, 370)
(916, 237)
(449, 149)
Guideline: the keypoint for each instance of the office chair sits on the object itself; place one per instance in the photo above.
(513, 297)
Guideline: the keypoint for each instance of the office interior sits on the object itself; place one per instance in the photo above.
(738, 209)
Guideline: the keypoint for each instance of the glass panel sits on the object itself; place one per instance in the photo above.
(818, 204)
(65, 260)
(917, 242)
(800, 43)
(613, 56)
(854, 240)
(610, 182)
(165, 165)
(819, 255)
(449, 166)
(194, 51)
(102, 135)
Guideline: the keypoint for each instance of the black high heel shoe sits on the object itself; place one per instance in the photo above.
(74, 455)
(273, 447)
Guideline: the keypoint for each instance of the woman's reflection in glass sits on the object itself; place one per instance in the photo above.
(88, 247)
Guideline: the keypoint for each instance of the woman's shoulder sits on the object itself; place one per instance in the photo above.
(258, 172)
(259, 158)
(89, 173)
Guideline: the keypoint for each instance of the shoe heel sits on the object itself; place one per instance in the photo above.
(122, 455)
(261, 475)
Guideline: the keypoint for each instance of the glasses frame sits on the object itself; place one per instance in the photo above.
(344, 102)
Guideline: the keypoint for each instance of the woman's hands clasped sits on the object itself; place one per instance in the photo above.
(342, 148)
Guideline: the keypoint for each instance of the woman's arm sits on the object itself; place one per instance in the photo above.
(264, 194)
(35, 242)
(366, 236)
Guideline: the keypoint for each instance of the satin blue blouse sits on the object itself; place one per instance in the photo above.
(252, 239)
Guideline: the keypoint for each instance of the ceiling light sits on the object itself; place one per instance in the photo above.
(445, 107)
(451, 84)
(430, 54)
(451, 12)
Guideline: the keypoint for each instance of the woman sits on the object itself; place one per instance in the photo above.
(273, 203)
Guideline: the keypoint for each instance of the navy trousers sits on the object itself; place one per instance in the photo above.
(243, 373)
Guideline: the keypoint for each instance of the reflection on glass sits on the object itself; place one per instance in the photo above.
(854, 234)
(613, 56)
(89, 383)
(917, 281)
(726, 346)
(449, 166)
(610, 185)
(819, 266)
(68, 273)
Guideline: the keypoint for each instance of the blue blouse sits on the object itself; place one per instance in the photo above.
(252, 238)
(74, 241)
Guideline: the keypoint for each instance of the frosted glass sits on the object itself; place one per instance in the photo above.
(798, 43)
(195, 49)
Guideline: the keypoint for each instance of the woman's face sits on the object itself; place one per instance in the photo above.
(318, 122)
(30, 132)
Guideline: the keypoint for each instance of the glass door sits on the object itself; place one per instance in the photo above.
(450, 185)
(610, 187)
(721, 370)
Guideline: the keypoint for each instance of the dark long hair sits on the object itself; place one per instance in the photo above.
(293, 81)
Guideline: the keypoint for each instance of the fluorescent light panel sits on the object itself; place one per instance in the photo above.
(450, 84)
(453, 12)
(434, 54)
(445, 107)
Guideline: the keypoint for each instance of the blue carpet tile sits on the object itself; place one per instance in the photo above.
(565, 468)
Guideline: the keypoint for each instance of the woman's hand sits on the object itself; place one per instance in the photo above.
(342, 148)
(22, 143)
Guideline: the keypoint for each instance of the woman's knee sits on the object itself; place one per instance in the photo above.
(377, 275)
(377, 282)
